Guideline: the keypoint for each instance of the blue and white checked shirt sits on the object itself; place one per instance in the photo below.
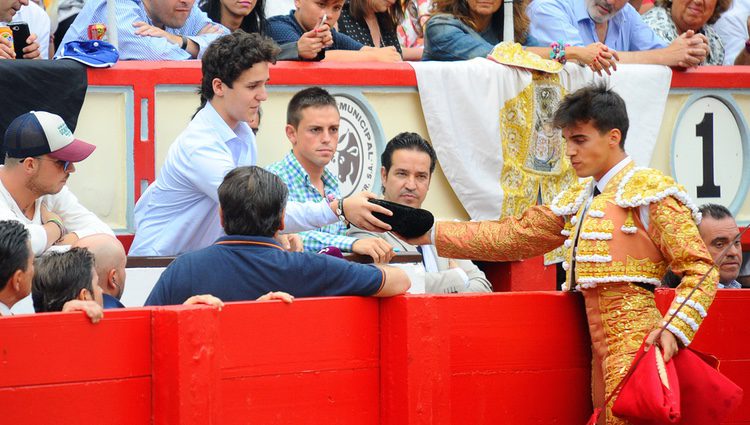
(301, 189)
(136, 47)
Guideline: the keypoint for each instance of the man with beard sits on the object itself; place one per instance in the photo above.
(618, 25)
(40, 154)
(110, 261)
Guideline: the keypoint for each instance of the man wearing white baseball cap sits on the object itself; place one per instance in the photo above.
(40, 153)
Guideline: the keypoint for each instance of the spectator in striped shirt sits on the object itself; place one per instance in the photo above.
(150, 29)
(312, 128)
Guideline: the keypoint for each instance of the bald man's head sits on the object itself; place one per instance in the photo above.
(110, 259)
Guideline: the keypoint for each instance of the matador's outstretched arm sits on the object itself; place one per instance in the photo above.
(535, 232)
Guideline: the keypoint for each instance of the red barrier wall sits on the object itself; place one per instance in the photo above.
(63, 367)
(312, 361)
(511, 358)
(485, 359)
(723, 333)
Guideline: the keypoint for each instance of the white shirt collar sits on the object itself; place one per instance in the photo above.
(226, 133)
(602, 183)
(4, 310)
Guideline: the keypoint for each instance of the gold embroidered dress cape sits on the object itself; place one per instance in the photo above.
(616, 257)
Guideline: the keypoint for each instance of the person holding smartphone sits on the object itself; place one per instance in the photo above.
(311, 26)
(31, 34)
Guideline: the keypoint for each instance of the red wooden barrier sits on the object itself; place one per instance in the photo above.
(485, 359)
(723, 333)
(185, 365)
(315, 361)
(511, 358)
(59, 368)
(526, 275)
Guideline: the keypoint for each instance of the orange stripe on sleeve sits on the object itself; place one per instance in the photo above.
(382, 281)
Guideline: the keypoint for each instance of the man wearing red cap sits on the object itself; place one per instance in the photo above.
(40, 154)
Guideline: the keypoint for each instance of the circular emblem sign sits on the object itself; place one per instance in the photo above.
(356, 162)
(707, 152)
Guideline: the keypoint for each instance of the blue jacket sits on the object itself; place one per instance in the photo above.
(447, 38)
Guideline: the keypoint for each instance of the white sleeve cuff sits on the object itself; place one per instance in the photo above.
(302, 216)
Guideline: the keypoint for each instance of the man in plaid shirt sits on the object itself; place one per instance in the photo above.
(312, 128)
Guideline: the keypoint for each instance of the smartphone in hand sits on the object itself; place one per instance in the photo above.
(20, 35)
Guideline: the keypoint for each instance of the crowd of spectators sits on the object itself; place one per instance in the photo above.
(594, 33)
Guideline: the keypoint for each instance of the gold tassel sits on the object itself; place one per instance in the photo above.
(629, 225)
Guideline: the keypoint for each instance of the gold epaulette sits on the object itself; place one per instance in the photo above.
(570, 200)
(643, 186)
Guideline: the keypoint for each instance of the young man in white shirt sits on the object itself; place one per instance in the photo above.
(179, 212)
(41, 153)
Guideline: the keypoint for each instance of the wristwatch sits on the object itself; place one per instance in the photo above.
(747, 46)
(184, 42)
(340, 211)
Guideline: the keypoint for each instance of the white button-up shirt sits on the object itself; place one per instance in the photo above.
(179, 212)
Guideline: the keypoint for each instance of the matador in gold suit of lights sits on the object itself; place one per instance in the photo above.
(618, 246)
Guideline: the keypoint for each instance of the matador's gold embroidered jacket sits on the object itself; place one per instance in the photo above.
(613, 242)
